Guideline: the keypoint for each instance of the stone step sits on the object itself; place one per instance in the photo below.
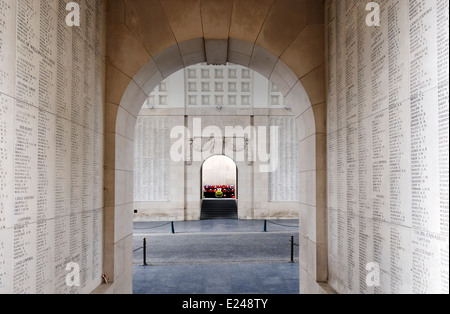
(219, 209)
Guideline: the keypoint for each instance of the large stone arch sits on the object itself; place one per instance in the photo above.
(148, 40)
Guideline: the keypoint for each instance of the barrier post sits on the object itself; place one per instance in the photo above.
(265, 225)
(145, 251)
(173, 228)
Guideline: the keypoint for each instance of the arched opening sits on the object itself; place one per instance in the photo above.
(305, 121)
(294, 62)
(219, 173)
(185, 156)
(203, 111)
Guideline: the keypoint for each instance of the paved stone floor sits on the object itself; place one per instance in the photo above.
(216, 257)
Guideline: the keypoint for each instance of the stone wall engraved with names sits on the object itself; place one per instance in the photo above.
(388, 146)
(51, 145)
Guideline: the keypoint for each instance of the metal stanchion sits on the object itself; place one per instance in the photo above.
(145, 251)
(265, 225)
(173, 228)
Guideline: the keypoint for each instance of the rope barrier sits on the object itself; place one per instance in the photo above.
(144, 247)
(289, 226)
(276, 223)
(147, 228)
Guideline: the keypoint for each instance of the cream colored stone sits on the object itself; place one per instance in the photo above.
(248, 18)
(124, 283)
(309, 46)
(123, 222)
(130, 126)
(192, 51)
(308, 187)
(307, 221)
(125, 52)
(110, 117)
(169, 61)
(314, 84)
(301, 127)
(320, 117)
(216, 18)
(315, 12)
(309, 121)
(321, 262)
(146, 72)
(108, 256)
(307, 252)
(285, 20)
(123, 252)
(109, 188)
(216, 51)
(283, 77)
(116, 84)
(121, 121)
(116, 11)
(320, 192)
(124, 153)
(241, 46)
(148, 22)
(239, 58)
(110, 147)
(298, 99)
(307, 148)
(308, 285)
(263, 61)
(321, 152)
(104, 289)
(240, 51)
(120, 180)
(133, 99)
(184, 18)
(152, 83)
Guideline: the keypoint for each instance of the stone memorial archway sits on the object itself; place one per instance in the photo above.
(149, 40)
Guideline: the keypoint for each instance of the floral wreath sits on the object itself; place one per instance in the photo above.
(219, 194)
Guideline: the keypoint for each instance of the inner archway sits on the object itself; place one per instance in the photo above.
(219, 188)
(219, 173)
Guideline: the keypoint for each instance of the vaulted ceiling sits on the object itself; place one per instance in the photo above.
(281, 39)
